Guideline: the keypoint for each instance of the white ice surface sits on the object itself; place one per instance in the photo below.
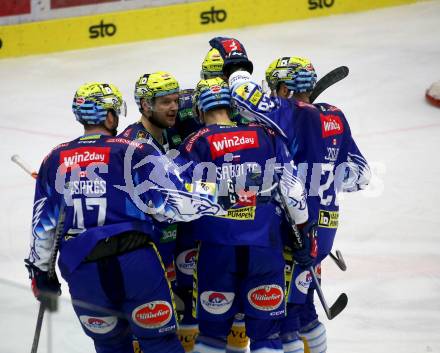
(389, 235)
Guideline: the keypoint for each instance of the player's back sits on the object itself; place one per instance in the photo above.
(239, 155)
(319, 150)
(90, 171)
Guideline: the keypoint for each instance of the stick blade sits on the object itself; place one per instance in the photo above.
(342, 263)
(328, 80)
(338, 306)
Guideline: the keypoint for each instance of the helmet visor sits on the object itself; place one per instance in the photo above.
(122, 110)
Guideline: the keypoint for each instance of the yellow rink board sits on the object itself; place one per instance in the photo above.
(168, 21)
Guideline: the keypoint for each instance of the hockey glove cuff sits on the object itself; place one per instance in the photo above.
(238, 78)
(306, 254)
(45, 288)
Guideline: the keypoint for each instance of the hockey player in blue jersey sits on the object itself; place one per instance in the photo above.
(212, 67)
(328, 160)
(240, 267)
(166, 119)
(112, 189)
(157, 98)
(186, 250)
(186, 122)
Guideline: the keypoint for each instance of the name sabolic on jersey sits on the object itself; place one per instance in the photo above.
(109, 185)
(242, 159)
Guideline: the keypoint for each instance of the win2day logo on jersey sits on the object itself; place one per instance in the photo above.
(331, 125)
(229, 142)
(83, 156)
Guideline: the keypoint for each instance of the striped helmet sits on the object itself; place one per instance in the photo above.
(92, 101)
(211, 94)
(298, 74)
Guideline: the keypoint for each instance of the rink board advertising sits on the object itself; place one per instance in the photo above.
(29, 27)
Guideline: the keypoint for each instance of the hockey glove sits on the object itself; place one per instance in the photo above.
(45, 288)
(357, 175)
(305, 247)
(233, 54)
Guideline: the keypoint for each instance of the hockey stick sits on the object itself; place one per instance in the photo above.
(51, 274)
(342, 300)
(325, 82)
(328, 80)
(339, 260)
(17, 160)
(53, 256)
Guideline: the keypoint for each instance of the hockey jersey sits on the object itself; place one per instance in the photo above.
(239, 157)
(320, 142)
(108, 185)
(137, 131)
(327, 157)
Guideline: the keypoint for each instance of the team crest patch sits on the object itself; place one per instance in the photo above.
(217, 302)
(141, 134)
(186, 261)
(100, 325)
(302, 282)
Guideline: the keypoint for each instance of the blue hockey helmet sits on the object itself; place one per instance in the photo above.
(212, 93)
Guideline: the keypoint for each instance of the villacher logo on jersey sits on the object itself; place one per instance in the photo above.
(266, 298)
(153, 315)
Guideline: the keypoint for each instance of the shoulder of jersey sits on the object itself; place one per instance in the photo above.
(325, 107)
(307, 106)
(81, 141)
(133, 131)
(261, 127)
(56, 149)
(194, 137)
